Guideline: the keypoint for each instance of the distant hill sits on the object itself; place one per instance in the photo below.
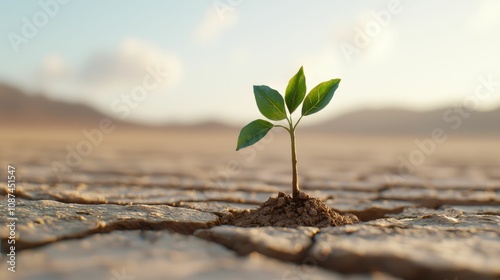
(21, 110)
(398, 121)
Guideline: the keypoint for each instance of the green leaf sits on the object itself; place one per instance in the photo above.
(270, 103)
(295, 91)
(252, 133)
(319, 97)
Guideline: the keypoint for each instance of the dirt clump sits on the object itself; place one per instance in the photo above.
(284, 211)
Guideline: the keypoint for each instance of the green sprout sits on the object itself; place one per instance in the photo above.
(272, 106)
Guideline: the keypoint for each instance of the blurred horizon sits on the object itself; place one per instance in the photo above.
(387, 54)
(21, 111)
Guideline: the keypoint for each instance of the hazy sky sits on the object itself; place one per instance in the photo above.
(413, 54)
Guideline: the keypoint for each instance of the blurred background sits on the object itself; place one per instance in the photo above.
(412, 72)
(415, 56)
(121, 104)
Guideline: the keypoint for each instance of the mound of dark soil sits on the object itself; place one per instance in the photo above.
(284, 211)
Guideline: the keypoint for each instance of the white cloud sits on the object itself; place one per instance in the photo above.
(215, 23)
(127, 66)
(112, 71)
(54, 77)
(54, 66)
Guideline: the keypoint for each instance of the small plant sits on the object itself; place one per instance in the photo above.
(272, 106)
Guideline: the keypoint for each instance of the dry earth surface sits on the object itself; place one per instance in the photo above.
(146, 206)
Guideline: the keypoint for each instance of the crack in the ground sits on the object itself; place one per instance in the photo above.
(177, 227)
(373, 213)
(81, 200)
(308, 256)
(244, 245)
(349, 262)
